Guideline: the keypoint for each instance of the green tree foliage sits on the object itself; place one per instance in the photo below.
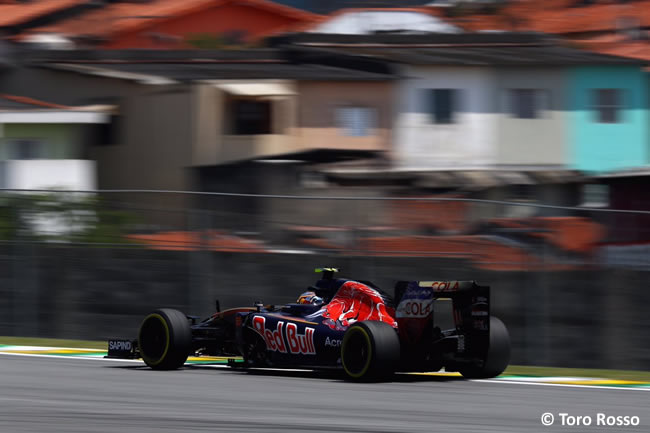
(62, 217)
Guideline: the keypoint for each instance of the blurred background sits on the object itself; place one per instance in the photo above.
(171, 153)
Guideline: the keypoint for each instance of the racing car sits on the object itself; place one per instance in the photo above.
(339, 323)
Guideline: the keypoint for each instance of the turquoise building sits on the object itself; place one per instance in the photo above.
(609, 118)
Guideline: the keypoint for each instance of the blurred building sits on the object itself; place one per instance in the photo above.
(188, 122)
(45, 145)
(503, 116)
(506, 101)
(514, 117)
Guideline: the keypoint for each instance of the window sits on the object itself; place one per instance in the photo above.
(312, 179)
(26, 149)
(251, 117)
(608, 104)
(527, 103)
(355, 121)
(443, 104)
(595, 195)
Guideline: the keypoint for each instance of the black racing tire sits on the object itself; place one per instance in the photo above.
(370, 351)
(165, 339)
(498, 355)
(254, 350)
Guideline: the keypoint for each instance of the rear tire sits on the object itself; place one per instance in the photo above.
(165, 339)
(498, 355)
(370, 351)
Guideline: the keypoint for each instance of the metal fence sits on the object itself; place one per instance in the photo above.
(569, 282)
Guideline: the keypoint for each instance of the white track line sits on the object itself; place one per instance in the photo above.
(566, 385)
(495, 381)
(92, 358)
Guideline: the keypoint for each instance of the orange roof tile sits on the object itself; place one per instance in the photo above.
(117, 18)
(449, 216)
(558, 16)
(17, 13)
(484, 252)
(625, 48)
(193, 241)
(562, 17)
(574, 234)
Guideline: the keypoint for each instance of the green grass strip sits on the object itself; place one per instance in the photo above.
(526, 370)
(52, 342)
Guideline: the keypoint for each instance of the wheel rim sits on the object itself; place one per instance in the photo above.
(357, 352)
(255, 351)
(154, 339)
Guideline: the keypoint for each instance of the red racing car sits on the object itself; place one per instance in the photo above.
(339, 323)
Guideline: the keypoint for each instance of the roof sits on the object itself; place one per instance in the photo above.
(20, 12)
(25, 110)
(469, 49)
(501, 38)
(470, 180)
(618, 45)
(558, 16)
(197, 71)
(14, 102)
(627, 21)
(331, 6)
(160, 67)
(117, 18)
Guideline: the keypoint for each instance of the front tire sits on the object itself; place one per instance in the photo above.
(165, 339)
(498, 355)
(370, 351)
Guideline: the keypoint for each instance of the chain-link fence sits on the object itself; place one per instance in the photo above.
(570, 283)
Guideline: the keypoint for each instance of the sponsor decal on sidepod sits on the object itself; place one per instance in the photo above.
(285, 339)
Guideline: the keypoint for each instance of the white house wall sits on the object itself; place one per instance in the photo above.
(469, 142)
(538, 141)
(69, 174)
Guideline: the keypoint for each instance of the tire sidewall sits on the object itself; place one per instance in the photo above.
(358, 329)
(498, 354)
(178, 339)
(382, 350)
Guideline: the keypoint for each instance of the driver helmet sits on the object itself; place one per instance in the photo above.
(310, 298)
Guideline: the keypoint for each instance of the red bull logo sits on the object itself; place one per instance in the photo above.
(285, 339)
(355, 302)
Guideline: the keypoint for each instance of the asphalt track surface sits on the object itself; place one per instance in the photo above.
(76, 395)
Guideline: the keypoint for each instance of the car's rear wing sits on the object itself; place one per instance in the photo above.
(470, 306)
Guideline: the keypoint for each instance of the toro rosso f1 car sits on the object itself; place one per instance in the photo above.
(339, 323)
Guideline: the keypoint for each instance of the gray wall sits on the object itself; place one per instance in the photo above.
(591, 318)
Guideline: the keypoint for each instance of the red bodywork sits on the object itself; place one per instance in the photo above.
(355, 302)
